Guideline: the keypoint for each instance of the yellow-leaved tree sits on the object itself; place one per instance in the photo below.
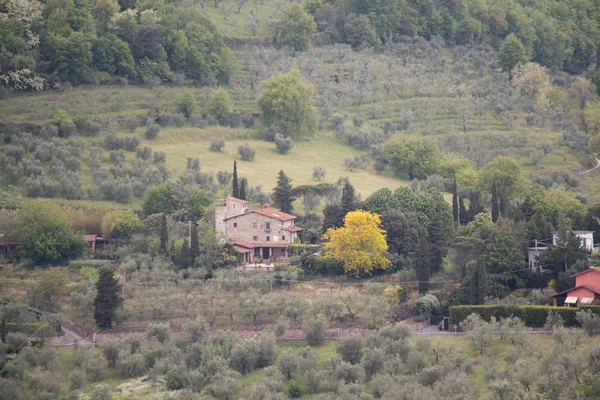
(359, 245)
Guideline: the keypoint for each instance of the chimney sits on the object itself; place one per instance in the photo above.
(264, 206)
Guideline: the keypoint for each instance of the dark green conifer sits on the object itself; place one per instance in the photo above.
(108, 298)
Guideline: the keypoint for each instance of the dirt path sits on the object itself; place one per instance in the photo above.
(592, 169)
(69, 338)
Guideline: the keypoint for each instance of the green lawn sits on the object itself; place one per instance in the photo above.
(323, 149)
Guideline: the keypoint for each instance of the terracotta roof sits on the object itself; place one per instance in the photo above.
(241, 249)
(292, 228)
(242, 244)
(594, 269)
(267, 212)
(588, 287)
(89, 238)
(230, 197)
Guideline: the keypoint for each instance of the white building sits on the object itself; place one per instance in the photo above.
(587, 242)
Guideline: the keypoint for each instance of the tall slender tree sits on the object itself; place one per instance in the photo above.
(185, 254)
(164, 234)
(3, 330)
(478, 283)
(282, 193)
(194, 244)
(436, 246)
(463, 213)
(455, 213)
(108, 298)
(475, 206)
(234, 182)
(422, 263)
(243, 189)
(349, 199)
(495, 209)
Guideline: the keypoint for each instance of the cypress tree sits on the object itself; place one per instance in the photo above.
(436, 248)
(527, 208)
(463, 214)
(422, 263)
(475, 206)
(172, 252)
(455, 214)
(282, 193)
(194, 245)
(478, 283)
(349, 199)
(185, 255)
(234, 182)
(164, 234)
(108, 298)
(3, 330)
(495, 210)
(243, 189)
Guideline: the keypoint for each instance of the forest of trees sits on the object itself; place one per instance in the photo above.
(109, 41)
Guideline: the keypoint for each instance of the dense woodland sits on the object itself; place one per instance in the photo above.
(65, 41)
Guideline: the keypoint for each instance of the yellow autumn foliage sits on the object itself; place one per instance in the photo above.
(359, 245)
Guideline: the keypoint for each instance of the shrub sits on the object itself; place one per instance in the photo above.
(350, 349)
(319, 172)
(219, 105)
(532, 316)
(171, 119)
(152, 131)
(101, 392)
(144, 153)
(66, 130)
(315, 330)
(186, 104)
(160, 157)
(283, 144)
(197, 121)
(217, 144)
(589, 321)
(87, 128)
(126, 142)
(131, 124)
(61, 117)
(246, 152)
(159, 332)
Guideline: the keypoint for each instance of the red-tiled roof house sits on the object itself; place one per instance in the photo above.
(264, 233)
(585, 292)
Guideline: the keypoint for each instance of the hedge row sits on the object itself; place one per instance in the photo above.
(77, 265)
(532, 316)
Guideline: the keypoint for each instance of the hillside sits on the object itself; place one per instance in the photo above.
(451, 94)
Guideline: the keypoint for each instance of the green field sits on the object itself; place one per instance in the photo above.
(323, 150)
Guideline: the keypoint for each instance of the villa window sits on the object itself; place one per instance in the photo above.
(268, 238)
(254, 225)
(235, 224)
(283, 238)
(255, 238)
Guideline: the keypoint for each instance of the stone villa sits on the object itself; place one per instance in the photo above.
(261, 235)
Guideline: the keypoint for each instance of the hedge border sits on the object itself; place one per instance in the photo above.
(532, 316)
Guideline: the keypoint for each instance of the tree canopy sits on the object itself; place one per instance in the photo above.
(415, 155)
(360, 244)
(45, 232)
(285, 102)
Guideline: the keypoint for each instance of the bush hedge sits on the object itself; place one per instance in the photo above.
(532, 316)
(75, 265)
